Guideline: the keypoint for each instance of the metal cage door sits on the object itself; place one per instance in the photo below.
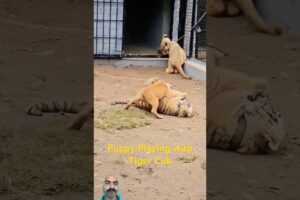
(108, 28)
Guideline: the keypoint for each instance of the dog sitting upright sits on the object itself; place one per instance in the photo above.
(176, 54)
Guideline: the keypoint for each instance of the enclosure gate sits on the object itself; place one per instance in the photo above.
(108, 28)
(200, 46)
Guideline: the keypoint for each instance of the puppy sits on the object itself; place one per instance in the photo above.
(176, 54)
(153, 94)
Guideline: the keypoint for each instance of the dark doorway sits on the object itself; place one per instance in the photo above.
(145, 23)
(181, 26)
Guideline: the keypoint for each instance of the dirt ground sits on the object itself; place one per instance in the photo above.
(277, 59)
(176, 181)
(43, 56)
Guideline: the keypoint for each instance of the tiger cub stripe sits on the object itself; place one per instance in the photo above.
(169, 106)
(73, 107)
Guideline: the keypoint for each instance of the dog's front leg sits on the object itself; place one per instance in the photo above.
(169, 69)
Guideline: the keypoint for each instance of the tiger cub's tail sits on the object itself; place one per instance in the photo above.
(121, 102)
(38, 109)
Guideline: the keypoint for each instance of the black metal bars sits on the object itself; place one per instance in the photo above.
(108, 28)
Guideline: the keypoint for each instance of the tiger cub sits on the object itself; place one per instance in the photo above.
(241, 114)
(62, 107)
(152, 94)
(82, 108)
(178, 104)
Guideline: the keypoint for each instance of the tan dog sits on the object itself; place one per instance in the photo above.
(176, 54)
(176, 104)
(152, 94)
(216, 8)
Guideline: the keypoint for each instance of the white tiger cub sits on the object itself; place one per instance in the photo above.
(241, 116)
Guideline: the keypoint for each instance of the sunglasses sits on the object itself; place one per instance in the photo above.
(107, 182)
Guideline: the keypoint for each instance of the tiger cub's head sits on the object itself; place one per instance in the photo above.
(180, 103)
(265, 130)
(185, 107)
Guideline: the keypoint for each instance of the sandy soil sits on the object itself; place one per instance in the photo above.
(234, 176)
(176, 181)
(43, 56)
